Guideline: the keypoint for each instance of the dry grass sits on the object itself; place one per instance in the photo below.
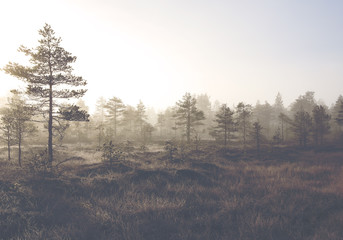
(211, 195)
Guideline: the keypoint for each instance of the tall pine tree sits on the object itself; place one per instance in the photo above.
(49, 78)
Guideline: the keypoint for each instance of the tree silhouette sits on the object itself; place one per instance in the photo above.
(302, 126)
(257, 128)
(7, 128)
(244, 112)
(49, 77)
(141, 117)
(115, 108)
(320, 124)
(16, 119)
(224, 122)
(188, 115)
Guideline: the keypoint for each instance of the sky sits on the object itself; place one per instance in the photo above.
(157, 50)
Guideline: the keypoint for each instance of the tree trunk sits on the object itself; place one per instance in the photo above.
(115, 124)
(19, 149)
(9, 148)
(244, 136)
(50, 153)
(282, 137)
(188, 130)
(225, 135)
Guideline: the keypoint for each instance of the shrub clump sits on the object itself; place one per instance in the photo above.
(39, 162)
(111, 154)
(171, 149)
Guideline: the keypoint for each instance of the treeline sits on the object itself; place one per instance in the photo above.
(306, 122)
(40, 114)
(193, 119)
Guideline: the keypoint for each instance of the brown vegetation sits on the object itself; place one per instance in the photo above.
(286, 194)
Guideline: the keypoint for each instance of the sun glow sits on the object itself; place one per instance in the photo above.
(155, 51)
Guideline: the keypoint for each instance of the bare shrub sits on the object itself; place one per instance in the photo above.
(38, 162)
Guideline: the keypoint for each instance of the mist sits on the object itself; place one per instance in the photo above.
(171, 120)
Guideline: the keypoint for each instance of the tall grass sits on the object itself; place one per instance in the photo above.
(217, 195)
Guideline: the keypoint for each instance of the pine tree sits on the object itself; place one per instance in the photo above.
(7, 128)
(257, 128)
(129, 118)
(244, 112)
(188, 115)
(320, 123)
(224, 122)
(263, 113)
(278, 105)
(49, 72)
(161, 122)
(99, 118)
(302, 126)
(115, 108)
(16, 119)
(141, 117)
(304, 103)
(339, 116)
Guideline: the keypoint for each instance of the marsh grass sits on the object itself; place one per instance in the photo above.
(216, 194)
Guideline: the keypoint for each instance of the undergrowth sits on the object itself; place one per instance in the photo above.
(217, 195)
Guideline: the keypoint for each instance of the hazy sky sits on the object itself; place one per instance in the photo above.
(157, 50)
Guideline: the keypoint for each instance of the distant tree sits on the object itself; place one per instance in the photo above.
(284, 121)
(257, 135)
(81, 129)
(115, 108)
(277, 136)
(99, 118)
(263, 113)
(60, 130)
(69, 113)
(302, 125)
(141, 117)
(166, 122)
(304, 103)
(203, 103)
(196, 139)
(278, 106)
(7, 128)
(49, 73)
(321, 124)
(129, 119)
(339, 115)
(216, 105)
(19, 113)
(224, 122)
(334, 112)
(173, 120)
(151, 115)
(243, 112)
(188, 115)
(147, 132)
(336, 107)
(161, 122)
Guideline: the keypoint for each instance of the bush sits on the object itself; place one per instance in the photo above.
(111, 154)
(39, 161)
(171, 149)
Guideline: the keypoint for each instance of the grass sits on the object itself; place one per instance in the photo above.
(212, 194)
